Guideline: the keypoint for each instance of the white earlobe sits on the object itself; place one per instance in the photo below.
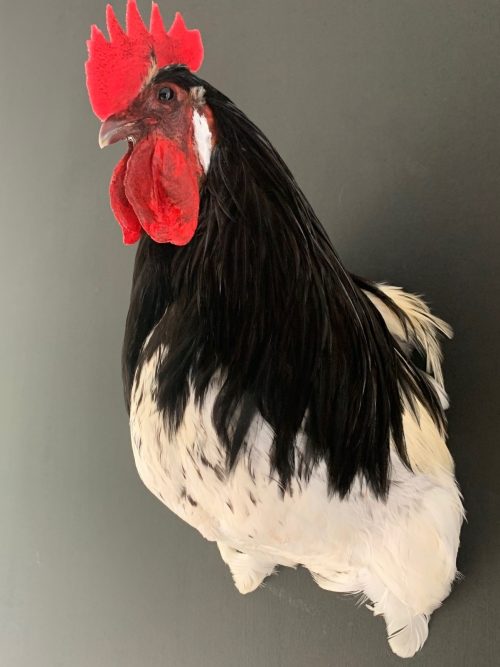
(203, 139)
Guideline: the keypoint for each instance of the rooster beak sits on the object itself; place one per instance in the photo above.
(115, 129)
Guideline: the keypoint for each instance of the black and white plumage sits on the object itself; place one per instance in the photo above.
(274, 403)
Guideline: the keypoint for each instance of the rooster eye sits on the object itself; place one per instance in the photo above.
(165, 94)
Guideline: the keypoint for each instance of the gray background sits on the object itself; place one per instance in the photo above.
(388, 114)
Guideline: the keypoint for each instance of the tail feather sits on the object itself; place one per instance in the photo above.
(409, 319)
(406, 630)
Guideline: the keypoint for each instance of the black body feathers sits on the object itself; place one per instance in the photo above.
(260, 295)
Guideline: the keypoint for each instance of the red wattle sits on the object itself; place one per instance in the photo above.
(160, 186)
(120, 205)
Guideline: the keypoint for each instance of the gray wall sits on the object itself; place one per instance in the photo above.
(388, 114)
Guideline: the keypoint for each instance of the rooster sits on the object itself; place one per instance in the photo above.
(274, 398)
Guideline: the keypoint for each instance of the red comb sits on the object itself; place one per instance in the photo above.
(116, 69)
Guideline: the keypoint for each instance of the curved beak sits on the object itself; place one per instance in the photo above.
(115, 129)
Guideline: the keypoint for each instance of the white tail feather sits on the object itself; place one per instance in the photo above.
(406, 630)
(423, 328)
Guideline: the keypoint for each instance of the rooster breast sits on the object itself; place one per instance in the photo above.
(187, 471)
(246, 508)
(399, 553)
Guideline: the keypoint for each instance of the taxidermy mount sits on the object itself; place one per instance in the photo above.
(275, 402)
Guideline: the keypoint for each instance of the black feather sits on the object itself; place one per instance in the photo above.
(260, 296)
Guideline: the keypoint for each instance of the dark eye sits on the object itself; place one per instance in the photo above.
(165, 94)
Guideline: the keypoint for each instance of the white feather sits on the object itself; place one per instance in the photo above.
(424, 329)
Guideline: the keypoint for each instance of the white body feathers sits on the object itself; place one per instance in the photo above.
(400, 554)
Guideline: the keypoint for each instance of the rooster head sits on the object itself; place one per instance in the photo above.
(155, 188)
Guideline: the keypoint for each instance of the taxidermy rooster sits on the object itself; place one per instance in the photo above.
(274, 401)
